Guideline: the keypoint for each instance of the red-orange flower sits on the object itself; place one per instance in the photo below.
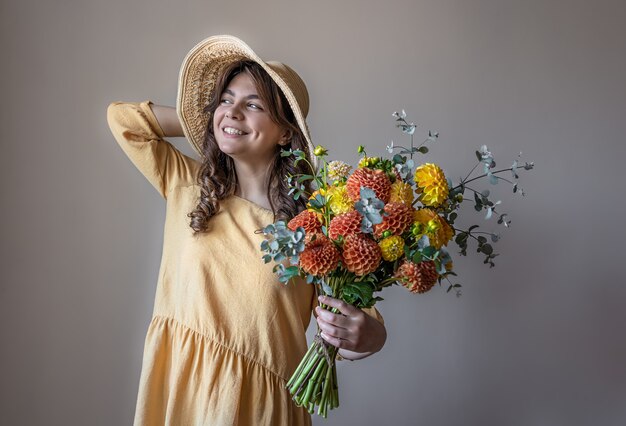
(345, 224)
(320, 256)
(361, 254)
(399, 217)
(417, 277)
(376, 180)
(306, 219)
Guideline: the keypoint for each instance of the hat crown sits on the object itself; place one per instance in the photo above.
(295, 83)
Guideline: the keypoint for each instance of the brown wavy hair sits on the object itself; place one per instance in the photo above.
(217, 177)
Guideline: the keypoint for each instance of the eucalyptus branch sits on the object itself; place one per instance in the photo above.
(469, 233)
(487, 174)
(458, 292)
(471, 171)
(476, 232)
(473, 190)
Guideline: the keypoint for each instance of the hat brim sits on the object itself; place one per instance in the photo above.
(196, 86)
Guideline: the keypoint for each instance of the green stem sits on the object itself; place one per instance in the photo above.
(313, 382)
(306, 373)
(300, 367)
(384, 282)
(468, 175)
(326, 209)
(493, 173)
(323, 401)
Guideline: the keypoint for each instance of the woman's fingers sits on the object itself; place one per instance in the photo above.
(343, 307)
(351, 328)
(331, 330)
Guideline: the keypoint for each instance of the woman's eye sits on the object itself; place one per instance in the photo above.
(224, 101)
(254, 106)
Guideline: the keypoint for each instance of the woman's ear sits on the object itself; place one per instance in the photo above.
(285, 138)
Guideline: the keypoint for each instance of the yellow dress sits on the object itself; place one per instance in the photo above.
(225, 335)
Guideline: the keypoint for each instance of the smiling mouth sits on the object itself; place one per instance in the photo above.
(233, 131)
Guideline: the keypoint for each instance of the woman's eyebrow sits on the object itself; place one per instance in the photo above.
(231, 93)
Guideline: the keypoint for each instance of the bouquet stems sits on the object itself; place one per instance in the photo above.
(314, 383)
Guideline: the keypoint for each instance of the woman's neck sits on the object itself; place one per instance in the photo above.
(252, 183)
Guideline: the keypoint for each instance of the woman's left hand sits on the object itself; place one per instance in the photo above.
(351, 330)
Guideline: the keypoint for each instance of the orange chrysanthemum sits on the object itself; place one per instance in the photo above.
(306, 219)
(376, 180)
(361, 254)
(320, 256)
(439, 232)
(417, 277)
(345, 224)
(399, 217)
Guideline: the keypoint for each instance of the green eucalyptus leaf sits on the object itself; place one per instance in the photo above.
(486, 248)
(429, 252)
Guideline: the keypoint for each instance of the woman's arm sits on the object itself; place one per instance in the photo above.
(168, 120)
(140, 133)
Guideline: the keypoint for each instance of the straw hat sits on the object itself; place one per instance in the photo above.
(206, 62)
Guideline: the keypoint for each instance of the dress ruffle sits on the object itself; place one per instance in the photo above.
(190, 379)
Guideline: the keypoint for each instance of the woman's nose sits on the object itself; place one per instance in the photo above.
(233, 112)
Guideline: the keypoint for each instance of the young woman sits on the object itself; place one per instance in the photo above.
(225, 335)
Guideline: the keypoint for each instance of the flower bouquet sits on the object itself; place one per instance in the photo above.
(385, 223)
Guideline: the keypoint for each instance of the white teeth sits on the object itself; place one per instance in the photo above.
(232, 131)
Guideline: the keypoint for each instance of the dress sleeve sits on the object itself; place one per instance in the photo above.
(140, 136)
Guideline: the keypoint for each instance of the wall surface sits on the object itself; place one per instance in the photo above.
(537, 340)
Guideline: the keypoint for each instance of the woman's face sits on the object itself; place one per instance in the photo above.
(242, 125)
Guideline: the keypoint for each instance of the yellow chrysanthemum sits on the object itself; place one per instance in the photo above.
(338, 170)
(434, 226)
(392, 247)
(338, 200)
(368, 161)
(431, 183)
(401, 192)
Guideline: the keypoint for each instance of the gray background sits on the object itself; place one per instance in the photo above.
(538, 340)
